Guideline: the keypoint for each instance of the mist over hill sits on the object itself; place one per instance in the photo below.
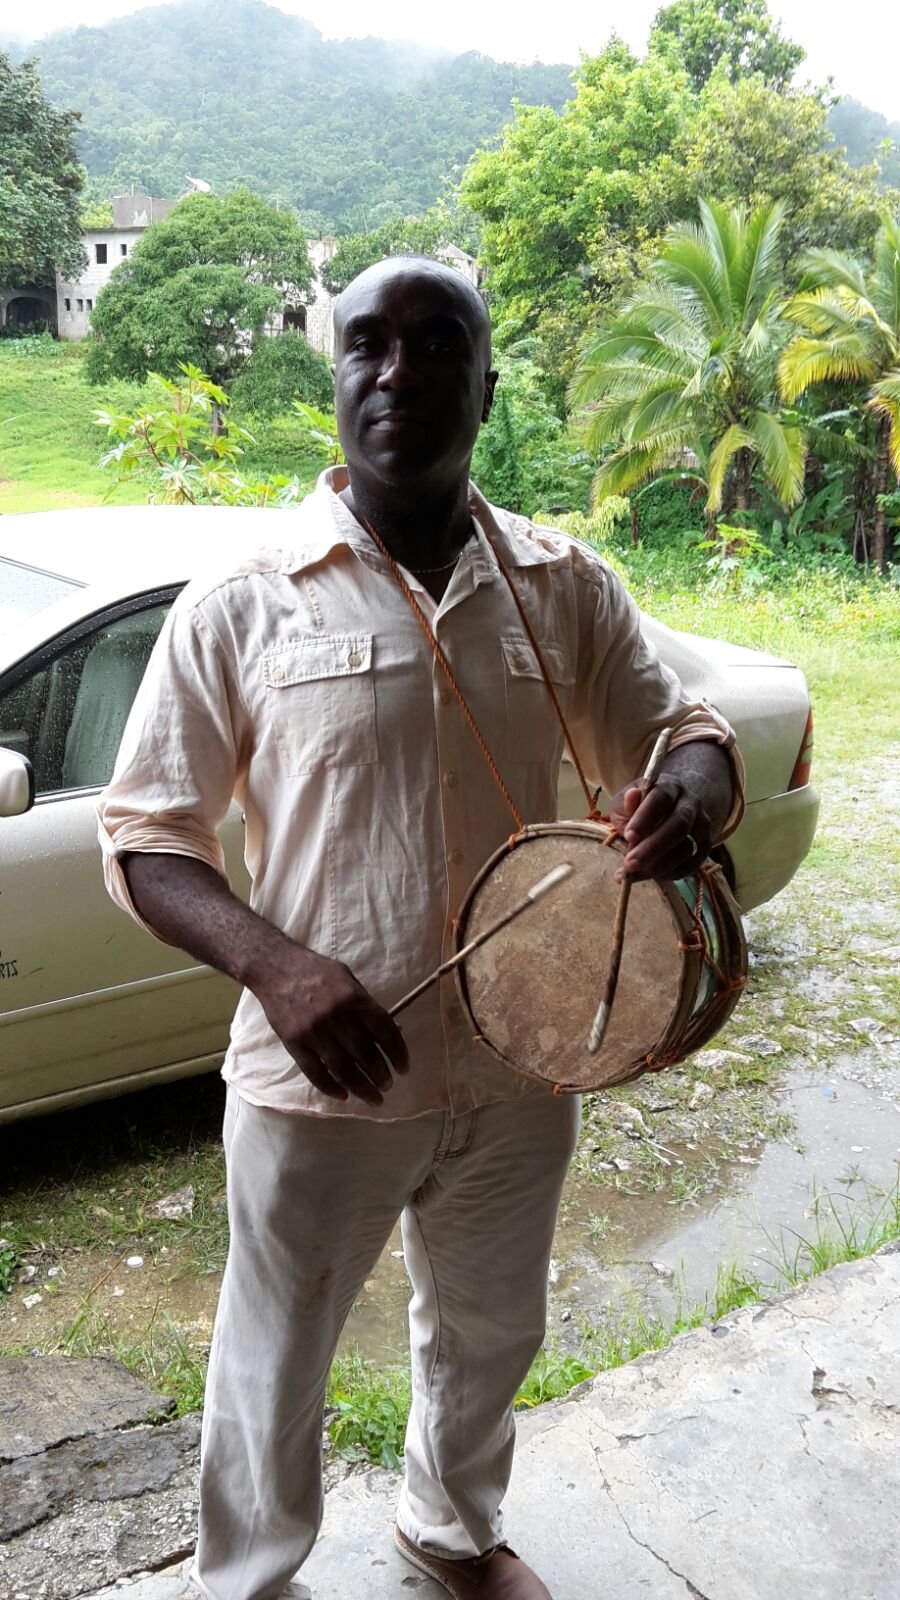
(346, 132)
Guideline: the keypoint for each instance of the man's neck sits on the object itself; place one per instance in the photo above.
(421, 534)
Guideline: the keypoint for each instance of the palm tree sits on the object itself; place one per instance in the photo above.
(851, 333)
(686, 370)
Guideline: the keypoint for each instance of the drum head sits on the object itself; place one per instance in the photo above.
(533, 989)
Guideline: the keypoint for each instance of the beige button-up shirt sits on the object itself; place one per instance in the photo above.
(300, 683)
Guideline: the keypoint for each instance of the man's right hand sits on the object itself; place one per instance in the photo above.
(337, 1034)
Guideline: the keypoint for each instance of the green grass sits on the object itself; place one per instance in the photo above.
(50, 447)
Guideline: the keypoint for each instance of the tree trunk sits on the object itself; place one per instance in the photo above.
(635, 525)
(743, 477)
(217, 418)
(882, 468)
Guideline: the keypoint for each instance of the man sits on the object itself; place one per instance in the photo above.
(302, 684)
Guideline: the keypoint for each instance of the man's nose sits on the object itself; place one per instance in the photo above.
(397, 370)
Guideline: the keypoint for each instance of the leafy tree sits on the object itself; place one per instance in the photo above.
(752, 144)
(737, 37)
(281, 370)
(199, 288)
(40, 182)
(524, 459)
(850, 323)
(575, 204)
(419, 236)
(686, 370)
(560, 201)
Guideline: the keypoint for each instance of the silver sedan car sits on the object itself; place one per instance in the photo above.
(90, 1005)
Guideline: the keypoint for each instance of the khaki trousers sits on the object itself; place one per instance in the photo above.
(312, 1201)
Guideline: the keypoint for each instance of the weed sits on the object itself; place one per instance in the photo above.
(10, 1263)
(551, 1377)
(366, 1410)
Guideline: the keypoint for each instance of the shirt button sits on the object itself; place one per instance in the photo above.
(519, 663)
(455, 858)
(278, 674)
(451, 779)
(354, 659)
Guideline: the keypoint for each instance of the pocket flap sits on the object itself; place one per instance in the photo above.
(318, 655)
(521, 661)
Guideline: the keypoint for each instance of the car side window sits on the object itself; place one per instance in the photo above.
(68, 716)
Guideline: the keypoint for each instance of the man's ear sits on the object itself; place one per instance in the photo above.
(490, 384)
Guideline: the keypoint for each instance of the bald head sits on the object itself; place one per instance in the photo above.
(405, 271)
(413, 378)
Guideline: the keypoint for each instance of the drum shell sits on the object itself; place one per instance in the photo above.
(498, 999)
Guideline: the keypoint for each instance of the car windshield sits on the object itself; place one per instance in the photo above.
(25, 590)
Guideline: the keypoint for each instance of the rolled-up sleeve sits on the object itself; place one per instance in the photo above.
(627, 695)
(183, 748)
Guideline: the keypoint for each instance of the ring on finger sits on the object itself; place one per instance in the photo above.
(691, 841)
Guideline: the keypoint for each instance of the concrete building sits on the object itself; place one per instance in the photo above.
(67, 307)
(105, 249)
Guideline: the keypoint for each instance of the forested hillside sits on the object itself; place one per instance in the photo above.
(348, 133)
(863, 133)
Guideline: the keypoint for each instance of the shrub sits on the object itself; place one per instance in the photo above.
(281, 370)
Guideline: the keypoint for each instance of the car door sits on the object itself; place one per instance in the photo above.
(90, 1004)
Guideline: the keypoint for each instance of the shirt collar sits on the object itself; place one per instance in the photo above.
(323, 523)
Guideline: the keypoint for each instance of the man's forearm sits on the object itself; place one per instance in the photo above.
(187, 902)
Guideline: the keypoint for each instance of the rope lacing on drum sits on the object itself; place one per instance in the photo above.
(729, 982)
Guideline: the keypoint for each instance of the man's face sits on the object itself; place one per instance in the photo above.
(412, 376)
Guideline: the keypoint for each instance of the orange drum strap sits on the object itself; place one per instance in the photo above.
(448, 672)
(590, 795)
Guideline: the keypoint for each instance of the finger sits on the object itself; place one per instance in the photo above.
(681, 841)
(365, 1052)
(655, 807)
(317, 1073)
(624, 804)
(675, 863)
(347, 1072)
(386, 1034)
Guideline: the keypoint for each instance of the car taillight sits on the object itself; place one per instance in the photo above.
(800, 774)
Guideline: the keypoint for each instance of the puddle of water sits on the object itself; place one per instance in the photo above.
(847, 1120)
(842, 1126)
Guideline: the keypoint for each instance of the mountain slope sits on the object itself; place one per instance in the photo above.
(347, 132)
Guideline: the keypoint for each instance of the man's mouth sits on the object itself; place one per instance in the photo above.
(389, 421)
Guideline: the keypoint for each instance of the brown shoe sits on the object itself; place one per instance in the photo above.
(499, 1575)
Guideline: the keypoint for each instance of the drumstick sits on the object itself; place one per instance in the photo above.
(550, 881)
(601, 1020)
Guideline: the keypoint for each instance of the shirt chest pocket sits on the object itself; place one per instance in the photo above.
(533, 727)
(320, 695)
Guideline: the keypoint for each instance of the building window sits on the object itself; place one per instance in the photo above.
(68, 305)
(123, 249)
(90, 305)
(80, 304)
(101, 254)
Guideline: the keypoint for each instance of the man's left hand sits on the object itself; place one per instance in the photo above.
(671, 829)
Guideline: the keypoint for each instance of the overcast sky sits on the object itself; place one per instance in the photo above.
(857, 45)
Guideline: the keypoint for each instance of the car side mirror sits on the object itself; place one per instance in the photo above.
(16, 784)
